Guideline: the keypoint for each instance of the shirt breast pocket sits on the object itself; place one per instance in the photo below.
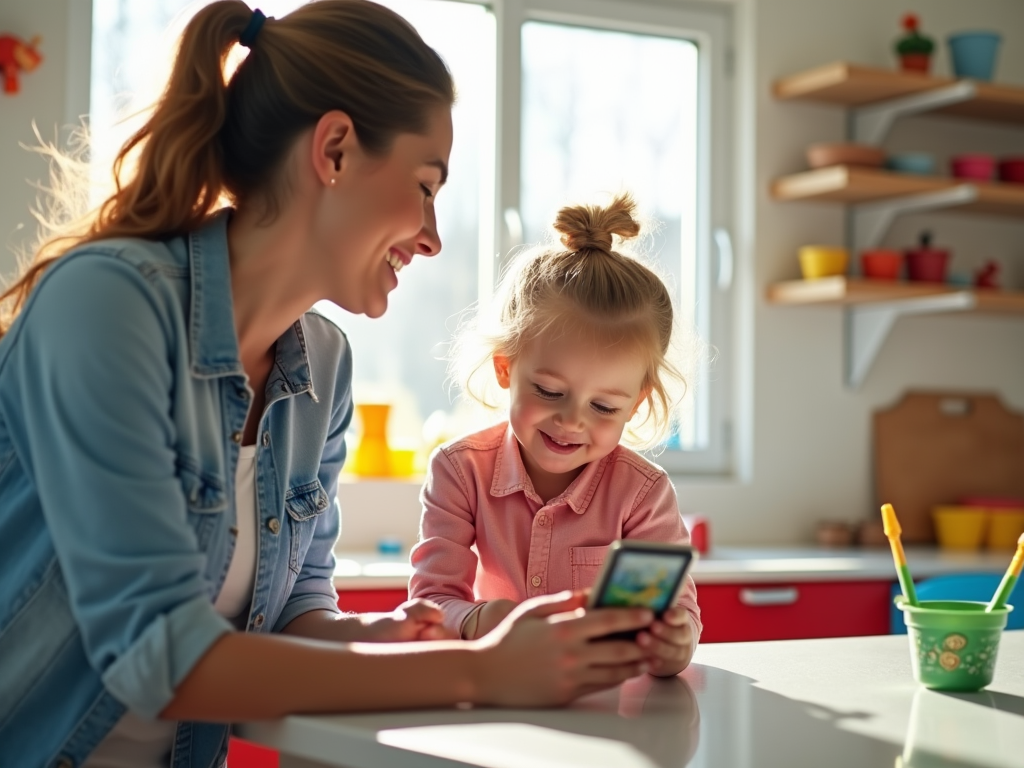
(586, 564)
(305, 504)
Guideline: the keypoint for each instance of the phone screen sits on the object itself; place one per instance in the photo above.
(643, 579)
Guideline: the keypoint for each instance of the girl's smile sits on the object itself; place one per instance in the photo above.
(570, 401)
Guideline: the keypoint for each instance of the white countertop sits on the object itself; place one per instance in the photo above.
(731, 565)
(835, 702)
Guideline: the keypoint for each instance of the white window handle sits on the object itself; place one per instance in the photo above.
(723, 242)
(759, 597)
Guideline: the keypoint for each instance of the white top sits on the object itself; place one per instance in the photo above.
(138, 743)
(844, 702)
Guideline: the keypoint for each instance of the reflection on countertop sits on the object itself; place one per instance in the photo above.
(725, 565)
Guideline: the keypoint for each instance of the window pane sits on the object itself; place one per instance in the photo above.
(605, 111)
(396, 355)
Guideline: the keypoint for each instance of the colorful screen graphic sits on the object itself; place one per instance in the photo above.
(644, 579)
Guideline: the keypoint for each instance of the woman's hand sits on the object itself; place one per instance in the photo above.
(541, 654)
(412, 620)
(669, 642)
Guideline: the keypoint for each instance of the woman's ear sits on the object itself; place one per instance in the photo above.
(334, 141)
(503, 371)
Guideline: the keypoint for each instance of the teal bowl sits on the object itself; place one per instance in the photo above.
(920, 163)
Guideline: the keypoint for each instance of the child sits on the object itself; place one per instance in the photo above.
(529, 506)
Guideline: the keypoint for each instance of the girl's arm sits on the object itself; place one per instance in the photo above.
(539, 656)
(444, 565)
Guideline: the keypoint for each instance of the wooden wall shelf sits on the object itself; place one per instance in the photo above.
(850, 184)
(846, 291)
(852, 85)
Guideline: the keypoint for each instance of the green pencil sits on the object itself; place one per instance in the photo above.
(892, 529)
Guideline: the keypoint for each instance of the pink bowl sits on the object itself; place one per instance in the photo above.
(977, 167)
(1011, 169)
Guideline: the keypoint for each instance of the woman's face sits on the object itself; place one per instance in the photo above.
(378, 214)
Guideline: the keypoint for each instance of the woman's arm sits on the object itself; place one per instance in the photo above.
(541, 655)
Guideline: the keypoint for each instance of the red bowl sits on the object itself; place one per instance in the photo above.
(977, 167)
(881, 264)
(1012, 170)
(927, 265)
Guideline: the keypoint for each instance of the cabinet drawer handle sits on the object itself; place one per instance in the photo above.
(783, 596)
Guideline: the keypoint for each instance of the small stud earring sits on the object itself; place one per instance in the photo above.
(333, 181)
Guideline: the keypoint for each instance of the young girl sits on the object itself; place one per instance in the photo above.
(529, 506)
(172, 415)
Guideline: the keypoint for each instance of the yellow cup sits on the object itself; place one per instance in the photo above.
(960, 527)
(403, 462)
(823, 261)
(1004, 528)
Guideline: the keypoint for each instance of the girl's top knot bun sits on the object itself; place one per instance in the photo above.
(591, 227)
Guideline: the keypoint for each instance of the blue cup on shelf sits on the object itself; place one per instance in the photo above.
(921, 163)
(974, 54)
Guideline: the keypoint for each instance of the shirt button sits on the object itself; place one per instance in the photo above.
(236, 437)
(266, 439)
(258, 621)
(536, 580)
(542, 520)
(274, 525)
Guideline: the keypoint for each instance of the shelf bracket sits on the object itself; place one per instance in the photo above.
(868, 326)
(869, 125)
(870, 221)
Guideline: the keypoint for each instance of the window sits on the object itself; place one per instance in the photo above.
(558, 100)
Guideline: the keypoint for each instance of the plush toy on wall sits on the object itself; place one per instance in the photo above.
(18, 56)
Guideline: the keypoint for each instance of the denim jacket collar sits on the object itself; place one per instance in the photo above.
(213, 342)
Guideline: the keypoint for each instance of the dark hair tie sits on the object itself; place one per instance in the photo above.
(248, 36)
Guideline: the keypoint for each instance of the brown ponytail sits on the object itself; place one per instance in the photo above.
(209, 142)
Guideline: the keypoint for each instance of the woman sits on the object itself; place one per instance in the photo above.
(172, 415)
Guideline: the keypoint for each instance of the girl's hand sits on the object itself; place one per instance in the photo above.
(412, 620)
(541, 655)
(669, 642)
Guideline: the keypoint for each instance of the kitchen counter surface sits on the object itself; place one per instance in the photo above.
(725, 565)
(835, 702)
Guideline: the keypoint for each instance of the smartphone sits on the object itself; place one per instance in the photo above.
(643, 574)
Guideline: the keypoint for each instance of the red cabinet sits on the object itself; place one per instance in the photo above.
(371, 600)
(793, 610)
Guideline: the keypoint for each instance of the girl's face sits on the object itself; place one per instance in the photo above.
(570, 401)
(377, 213)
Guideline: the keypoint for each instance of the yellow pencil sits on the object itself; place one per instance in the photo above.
(892, 529)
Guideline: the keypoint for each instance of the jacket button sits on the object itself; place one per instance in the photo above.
(65, 762)
(258, 621)
(536, 581)
(274, 525)
(236, 437)
(266, 439)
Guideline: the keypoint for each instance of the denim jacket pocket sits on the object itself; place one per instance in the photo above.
(304, 503)
(206, 497)
(586, 564)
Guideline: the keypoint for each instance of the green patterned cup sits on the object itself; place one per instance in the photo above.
(953, 643)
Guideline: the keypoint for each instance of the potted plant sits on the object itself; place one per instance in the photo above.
(914, 49)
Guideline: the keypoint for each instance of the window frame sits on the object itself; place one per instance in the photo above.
(712, 30)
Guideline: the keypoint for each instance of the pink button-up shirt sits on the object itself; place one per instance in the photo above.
(486, 534)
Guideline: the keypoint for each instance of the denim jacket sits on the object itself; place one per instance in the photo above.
(122, 404)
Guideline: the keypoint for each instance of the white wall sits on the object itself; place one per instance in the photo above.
(806, 452)
(52, 96)
(811, 437)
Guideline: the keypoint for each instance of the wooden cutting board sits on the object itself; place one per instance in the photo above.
(934, 448)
